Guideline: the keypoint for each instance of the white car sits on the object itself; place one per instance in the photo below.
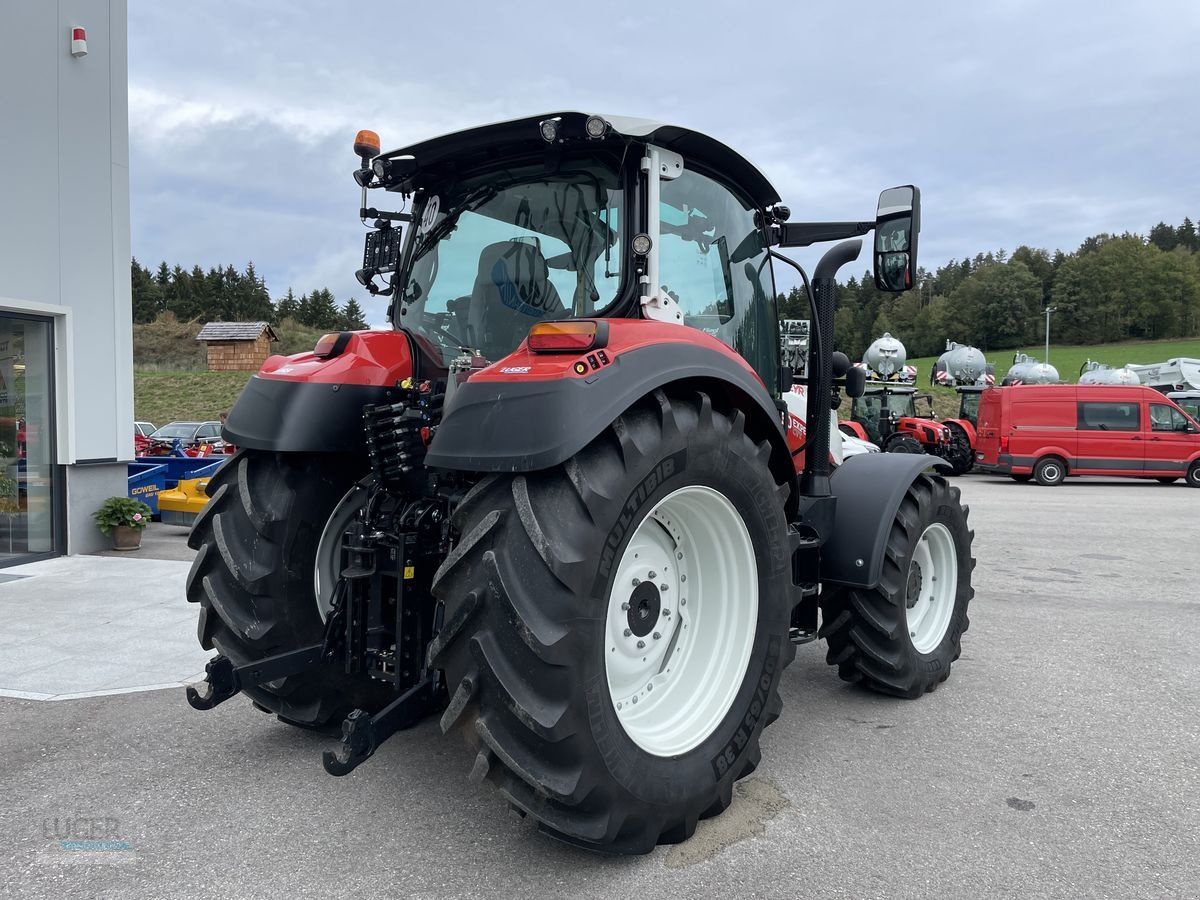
(852, 446)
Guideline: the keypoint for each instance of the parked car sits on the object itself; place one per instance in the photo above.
(1047, 432)
(852, 446)
(145, 429)
(189, 434)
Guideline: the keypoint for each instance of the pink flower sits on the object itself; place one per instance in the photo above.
(137, 517)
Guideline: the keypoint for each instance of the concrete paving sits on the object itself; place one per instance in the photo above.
(1062, 759)
(84, 625)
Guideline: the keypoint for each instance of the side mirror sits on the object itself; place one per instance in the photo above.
(856, 382)
(897, 224)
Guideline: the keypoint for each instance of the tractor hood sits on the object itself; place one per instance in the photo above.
(522, 135)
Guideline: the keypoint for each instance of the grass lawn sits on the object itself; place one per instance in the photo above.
(162, 397)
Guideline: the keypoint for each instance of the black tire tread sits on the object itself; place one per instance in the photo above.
(864, 629)
(514, 699)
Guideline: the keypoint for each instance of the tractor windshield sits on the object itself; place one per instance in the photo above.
(490, 256)
(968, 407)
(875, 407)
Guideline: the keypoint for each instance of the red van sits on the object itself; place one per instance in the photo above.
(1049, 431)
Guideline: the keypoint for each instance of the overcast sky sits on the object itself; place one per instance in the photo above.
(1023, 122)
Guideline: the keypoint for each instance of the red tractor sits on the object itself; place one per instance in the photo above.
(886, 413)
(558, 505)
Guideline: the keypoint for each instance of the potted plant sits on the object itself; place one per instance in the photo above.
(124, 519)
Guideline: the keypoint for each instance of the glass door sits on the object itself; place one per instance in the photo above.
(28, 497)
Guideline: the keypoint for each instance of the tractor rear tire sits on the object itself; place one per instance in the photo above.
(886, 638)
(537, 642)
(253, 577)
(902, 443)
(960, 456)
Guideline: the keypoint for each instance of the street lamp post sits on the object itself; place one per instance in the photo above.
(1049, 309)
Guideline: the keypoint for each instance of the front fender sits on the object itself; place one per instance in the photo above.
(965, 425)
(869, 489)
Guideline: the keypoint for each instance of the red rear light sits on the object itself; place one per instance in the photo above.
(573, 336)
(331, 344)
(1004, 444)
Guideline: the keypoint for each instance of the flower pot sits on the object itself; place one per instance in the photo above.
(126, 537)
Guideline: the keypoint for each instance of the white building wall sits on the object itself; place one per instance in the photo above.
(64, 228)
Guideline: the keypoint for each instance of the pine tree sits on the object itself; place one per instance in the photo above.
(147, 298)
(353, 318)
(288, 307)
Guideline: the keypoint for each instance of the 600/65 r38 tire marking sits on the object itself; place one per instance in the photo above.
(536, 592)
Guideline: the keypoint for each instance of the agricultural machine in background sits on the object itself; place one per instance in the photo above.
(1027, 370)
(1178, 375)
(794, 345)
(560, 505)
(967, 371)
(886, 413)
(1092, 372)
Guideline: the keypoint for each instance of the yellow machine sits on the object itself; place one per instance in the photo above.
(181, 504)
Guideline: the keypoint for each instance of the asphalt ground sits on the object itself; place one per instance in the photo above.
(1061, 759)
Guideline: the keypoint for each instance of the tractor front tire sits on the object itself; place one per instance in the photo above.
(256, 544)
(607, 694)
(901, 637)
(960, 455)
(902, 443)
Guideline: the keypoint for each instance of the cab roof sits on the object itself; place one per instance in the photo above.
(502, 137)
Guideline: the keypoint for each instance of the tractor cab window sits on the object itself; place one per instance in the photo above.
(713, 262)
(492, 256)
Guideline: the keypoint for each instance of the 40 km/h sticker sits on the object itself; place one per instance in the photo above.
(432, 207)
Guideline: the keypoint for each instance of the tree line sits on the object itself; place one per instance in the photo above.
(1113, 288)
(229, 295)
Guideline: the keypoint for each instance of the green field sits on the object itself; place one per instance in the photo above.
(163, 396)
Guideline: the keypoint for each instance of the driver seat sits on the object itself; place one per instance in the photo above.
(512, 291)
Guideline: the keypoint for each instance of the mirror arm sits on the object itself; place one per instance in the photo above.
(804, 234)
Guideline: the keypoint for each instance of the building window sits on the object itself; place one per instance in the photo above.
(27, 501)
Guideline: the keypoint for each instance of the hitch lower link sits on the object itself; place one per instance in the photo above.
(362, 732)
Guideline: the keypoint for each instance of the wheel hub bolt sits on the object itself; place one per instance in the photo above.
(657, 636)
(664, 588)
(649, 687)
(666, 613)
(625, 606)
(683, 578)
(641, 644)
(628, 633)
(652, 575)
(683, 601)
(635, 699)
(636, 582)
(679, 556)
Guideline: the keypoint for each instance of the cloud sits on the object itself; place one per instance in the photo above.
(1023, 122)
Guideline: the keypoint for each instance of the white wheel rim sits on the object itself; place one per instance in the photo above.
(931, 588)
(686, 590)
(327, 564)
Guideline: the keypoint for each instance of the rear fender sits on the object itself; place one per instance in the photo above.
(869, 489)
(854, 429)
(532, 411)
(307, 404)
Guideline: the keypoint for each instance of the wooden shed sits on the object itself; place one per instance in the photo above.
(237, 346)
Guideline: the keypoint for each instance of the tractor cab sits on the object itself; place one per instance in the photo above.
(571, 216)
(968, 402)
